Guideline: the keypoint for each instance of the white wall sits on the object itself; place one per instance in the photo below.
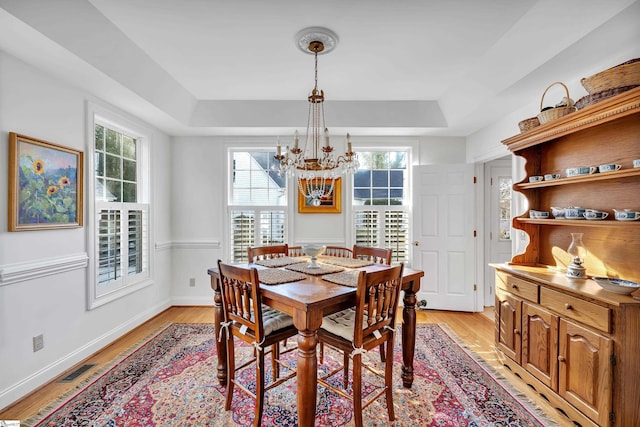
(199, 204)
(53, 302)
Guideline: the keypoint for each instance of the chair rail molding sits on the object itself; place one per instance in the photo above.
(20, 272)
(188, 244)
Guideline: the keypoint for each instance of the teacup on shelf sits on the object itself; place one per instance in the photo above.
(636, 163)
(538, 214)
(582, 170)
(626, 215)
(551, 176)
(536, 178)
(609, 167)
(593, 214)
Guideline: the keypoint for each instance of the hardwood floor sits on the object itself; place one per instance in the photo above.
(475, 329)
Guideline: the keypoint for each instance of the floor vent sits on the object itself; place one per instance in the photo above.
(75, 374)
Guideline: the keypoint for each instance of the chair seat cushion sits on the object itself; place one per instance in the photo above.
(274, 320)
(340, 323)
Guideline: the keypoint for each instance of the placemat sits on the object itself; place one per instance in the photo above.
(324, 268)
(346, 278)
(276, 262)
(275, 276)
(346, 262)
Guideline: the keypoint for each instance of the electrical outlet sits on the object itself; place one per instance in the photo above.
(38, 343)
(192, 282)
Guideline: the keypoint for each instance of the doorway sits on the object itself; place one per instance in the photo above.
(497, 207)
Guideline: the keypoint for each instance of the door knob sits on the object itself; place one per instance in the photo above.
(416, 243)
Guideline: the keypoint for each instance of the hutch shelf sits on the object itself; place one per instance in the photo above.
(573, 342)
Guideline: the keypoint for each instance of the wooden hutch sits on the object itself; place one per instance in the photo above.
(573, 342)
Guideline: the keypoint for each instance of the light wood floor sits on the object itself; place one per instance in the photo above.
(475, 329)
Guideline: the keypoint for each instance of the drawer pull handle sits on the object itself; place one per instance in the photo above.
(517, 332)
(568, 306)
(514, 286)
(561, 359)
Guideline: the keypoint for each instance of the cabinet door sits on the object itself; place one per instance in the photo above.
(585, 370)
(540, 344)
(508, 324)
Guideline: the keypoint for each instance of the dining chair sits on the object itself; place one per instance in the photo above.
(338, 251)
(267, 252)
(247, 319)
(377, 255)
(295, 251)
(355, 331)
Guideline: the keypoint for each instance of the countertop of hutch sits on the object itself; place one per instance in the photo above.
(557, 279)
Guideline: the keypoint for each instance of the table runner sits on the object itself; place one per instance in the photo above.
(323, 268)
(274, 276)
(277, 262)
(346, 262)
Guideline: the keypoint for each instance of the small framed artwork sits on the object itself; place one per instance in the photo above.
(329, 202)
(45, 185)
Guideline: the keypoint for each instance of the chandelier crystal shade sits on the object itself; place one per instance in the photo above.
(315, 166)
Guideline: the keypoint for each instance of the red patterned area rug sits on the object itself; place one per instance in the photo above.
(170, 380)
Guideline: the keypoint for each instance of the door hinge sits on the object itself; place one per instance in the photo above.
(612, 360)
(491, 181)
(475, 286)
(475, 233)
(612, 417)
(475, 179)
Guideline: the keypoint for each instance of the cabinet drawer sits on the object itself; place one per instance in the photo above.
(583, 311)
(516, 286)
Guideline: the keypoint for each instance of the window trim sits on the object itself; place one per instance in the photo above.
(100, 115)
(248, 145)
(384, 145)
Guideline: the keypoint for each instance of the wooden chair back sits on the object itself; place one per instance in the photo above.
(295, 251)
(377, 300)
(267, 252)
(377, 255)
(241, 301)
(338, 251)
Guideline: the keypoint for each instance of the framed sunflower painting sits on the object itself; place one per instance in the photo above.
(45, 185)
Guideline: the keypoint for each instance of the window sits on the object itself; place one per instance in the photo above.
(120, 220)
(257, 203)
(505, 207)
(380, 202)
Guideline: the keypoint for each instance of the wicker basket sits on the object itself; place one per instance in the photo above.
(529, 123)
(557, 112)
(587, 100)
(625, 74)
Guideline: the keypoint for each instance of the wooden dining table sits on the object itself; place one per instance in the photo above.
(307, 301)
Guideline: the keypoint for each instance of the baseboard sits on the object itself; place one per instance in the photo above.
(196, 300)
(13, 393)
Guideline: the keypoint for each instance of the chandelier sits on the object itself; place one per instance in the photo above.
(315, 166)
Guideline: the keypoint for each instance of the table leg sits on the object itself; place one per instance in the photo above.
(307, 377)
(221, 345)
(408, 336)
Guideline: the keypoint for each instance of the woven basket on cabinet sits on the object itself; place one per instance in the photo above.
(557, 112)
(622, 75)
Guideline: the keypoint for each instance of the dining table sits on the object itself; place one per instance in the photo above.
(307, 300)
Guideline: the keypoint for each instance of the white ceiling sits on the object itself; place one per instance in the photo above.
(419, 67)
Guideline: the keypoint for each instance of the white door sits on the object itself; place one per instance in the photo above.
(497, 221)
(443, 231)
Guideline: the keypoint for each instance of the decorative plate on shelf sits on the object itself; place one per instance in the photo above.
(618, 286)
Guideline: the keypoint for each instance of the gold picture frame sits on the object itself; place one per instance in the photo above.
(45, 185)
(331, 204)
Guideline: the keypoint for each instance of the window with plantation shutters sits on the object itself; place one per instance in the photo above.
(258, 203)
(380, 202)
(120, 220)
